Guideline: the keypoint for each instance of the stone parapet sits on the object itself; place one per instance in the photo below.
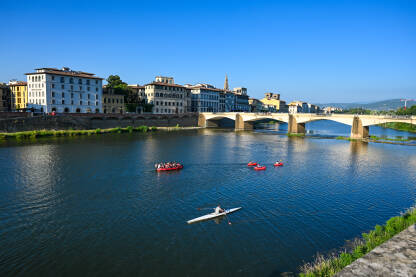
(396, 257)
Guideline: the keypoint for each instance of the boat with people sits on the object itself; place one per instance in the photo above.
(213, 215)
(169, 166)
(252, 164)
(260, 167)
(278, 164)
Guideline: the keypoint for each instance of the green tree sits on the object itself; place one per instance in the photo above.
(115, 83)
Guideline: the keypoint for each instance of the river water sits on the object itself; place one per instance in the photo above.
(94, 206)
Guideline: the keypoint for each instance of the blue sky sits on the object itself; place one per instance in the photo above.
(316, 51)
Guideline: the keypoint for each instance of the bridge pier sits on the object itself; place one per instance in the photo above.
(202, 122)
(240, 124)
(358, 131)
(294, 127)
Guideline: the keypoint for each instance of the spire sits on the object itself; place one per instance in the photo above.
(226, 83)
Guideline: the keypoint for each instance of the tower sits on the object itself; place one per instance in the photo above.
(226, 83)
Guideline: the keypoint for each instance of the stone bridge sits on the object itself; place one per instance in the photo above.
(359, 123)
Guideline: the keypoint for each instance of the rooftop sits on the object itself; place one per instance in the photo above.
(65, 71)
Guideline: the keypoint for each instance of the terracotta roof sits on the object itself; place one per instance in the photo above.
(165, 84)
(135, 86)
(55, 71)
(18, 83)
(202, 87)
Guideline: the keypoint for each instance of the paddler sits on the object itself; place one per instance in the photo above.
(219, 210)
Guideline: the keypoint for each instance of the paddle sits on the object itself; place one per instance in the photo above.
(199, 209)
(229, 222)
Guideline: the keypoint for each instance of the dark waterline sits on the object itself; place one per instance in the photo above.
(94, 205)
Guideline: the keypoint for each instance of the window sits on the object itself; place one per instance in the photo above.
(53, 101)
(96, 96)
(80, 81)
(72, 102)
(88, 88)
(80, 87)
(63, 101)
(96, 82)
(96, 89)
(88, 82)
(63, 95)
(72, 95)
(53, 94)
(88, 96)
(71, 80)
(96, 103)
(62, 79)
(53, 77)
(62, 86)
(88, 103)
(80, 102)
(53, 85)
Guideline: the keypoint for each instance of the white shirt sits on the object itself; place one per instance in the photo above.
(217, 210)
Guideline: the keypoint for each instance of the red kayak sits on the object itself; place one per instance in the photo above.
(170, 168)
(252, 164)
(260, 168)
(278, 164)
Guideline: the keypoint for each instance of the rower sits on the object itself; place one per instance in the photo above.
(219, 210)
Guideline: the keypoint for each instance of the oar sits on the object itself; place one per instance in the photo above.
(229, 222)
(199, 209)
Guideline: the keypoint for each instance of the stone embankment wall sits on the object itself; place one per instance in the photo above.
(93, 121)
(396, 257)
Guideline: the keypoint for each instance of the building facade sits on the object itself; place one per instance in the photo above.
(294, 108)
(256, 106)
(64, 91)
(229, 101)
(5, 98)
(18, 94)
(138, 97)
(168, 97)
(205, 98)
(273, 103)
(112, 102)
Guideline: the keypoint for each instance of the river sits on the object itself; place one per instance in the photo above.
(94, 206)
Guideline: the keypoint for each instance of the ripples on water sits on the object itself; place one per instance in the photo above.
(94, 206)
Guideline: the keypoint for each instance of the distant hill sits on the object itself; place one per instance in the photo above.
(392, 104)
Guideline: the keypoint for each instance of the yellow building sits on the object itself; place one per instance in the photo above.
(273, 103)
(19, 94)
(112, 102)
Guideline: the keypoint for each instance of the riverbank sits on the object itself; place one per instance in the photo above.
(329, 266)
(398, 141)
(73, 133)
(399, 126)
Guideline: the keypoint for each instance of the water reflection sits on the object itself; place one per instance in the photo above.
(100, 202)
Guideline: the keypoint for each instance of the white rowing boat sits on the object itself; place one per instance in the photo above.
(212, 215)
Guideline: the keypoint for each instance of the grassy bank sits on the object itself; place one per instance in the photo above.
(72, 133)
(295, 135)
(376, 139)
(400, 126)
(389, 139)
(329, 266)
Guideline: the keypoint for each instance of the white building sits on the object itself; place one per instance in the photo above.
(168, 97)
(205, 98)
(64, 91)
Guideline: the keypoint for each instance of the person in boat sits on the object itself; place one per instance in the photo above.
(219, 210)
